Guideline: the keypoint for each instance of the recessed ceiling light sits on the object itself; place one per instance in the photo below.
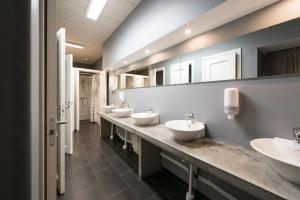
(73, 45)
(147, 51)
(95, 8)
(125, 62)
(188, 31)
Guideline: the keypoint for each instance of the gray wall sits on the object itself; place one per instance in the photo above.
(151, 20)
(98, 64)
(269, 107)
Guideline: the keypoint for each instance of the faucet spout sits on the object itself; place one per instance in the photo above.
(296, 134)
(189, 116)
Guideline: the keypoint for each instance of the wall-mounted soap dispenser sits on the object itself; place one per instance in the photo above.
(231, 102)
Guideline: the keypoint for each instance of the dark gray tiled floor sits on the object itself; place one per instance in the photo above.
(101, 170)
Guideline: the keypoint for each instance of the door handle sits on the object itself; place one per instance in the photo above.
(61, 122)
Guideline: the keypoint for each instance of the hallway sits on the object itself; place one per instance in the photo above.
(101, 170)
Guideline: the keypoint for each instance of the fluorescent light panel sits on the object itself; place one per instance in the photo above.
(95, 8)
(73, 45)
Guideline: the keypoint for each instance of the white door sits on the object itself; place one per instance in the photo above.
(61, 123)
(223, 66)
(186, 73)
(175, 73)
(69, 103)
(139, 82)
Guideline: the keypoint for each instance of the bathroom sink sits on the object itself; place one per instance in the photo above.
(281, 154)
(122, 112)
(145, 118)
(108, 109)
(186, 130)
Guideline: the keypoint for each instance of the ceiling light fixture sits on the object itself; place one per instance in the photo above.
(95, 8)
(188, 31)
(147, 51)
(73, 45)
(125, 62)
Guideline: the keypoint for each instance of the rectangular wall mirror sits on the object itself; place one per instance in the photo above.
(273, 51)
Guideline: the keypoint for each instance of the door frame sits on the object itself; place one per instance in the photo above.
(37, 65)
(163, 69)
(50, 101)
(76, 93)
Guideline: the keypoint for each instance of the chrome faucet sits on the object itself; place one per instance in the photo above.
(296, 134)
(150, 110)
(189, 116)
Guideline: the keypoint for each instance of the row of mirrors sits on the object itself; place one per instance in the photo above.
(273, 51)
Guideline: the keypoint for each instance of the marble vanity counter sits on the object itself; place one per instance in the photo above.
(244, 168)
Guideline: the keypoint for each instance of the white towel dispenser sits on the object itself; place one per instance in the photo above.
(231, 102)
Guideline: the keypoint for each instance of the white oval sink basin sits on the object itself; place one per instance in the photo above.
(185, 130)
(145, 118)
(282, 154)
(122, 112)
(108, 109)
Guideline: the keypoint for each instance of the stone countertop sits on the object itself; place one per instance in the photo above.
(242, 163)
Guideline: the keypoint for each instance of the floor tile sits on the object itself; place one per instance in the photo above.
(120, 165)
(110, 181)
(155, 197)
(139, 187)
(78, 160)
(86, 141)
(90, 148)
(99, 162)
(77, 148)
(93, 193)
(124, 195)
(105, 148)
(83, 178)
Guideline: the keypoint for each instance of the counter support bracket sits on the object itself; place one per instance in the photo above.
(149, 158)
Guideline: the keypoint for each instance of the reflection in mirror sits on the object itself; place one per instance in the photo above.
(166, 72)
(271, 51)
(159, 76)
(132, 79)
(280, 59)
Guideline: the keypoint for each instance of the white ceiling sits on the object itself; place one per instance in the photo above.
(91, 34)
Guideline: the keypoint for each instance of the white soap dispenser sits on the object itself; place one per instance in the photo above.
(231, 102)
